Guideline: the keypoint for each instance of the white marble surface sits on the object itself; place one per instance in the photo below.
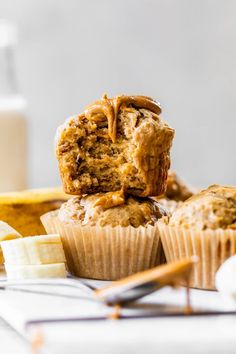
(169, 336)
(179, 335)
(11, 341)
(166, 335)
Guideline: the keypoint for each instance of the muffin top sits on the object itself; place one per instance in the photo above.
(111, 209)
(212, 208)
(116, 143)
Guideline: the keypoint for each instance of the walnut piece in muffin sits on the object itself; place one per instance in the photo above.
(109, 209)
(212, 208)
(116, 143)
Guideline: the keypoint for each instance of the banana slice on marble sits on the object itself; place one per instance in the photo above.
(45, 249)
(7, 233)
(17, 272)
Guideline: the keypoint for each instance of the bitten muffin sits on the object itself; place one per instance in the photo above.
(204, 225)
(107, 236)
(22, 210)
(116, 143)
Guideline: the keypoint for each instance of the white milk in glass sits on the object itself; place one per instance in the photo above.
(13, 145)
(13, 123)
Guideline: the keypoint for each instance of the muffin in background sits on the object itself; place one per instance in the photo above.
(204, 225)
(116, 143)
(177, 191)
(107, 236)
(176, 188)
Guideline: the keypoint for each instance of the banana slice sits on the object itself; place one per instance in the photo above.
(7, 233)
(46, 249)
(17, 272)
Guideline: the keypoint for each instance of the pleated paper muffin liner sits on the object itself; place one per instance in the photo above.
(212, 247)
(106, 253)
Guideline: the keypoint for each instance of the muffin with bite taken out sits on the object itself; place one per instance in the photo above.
(116, 143)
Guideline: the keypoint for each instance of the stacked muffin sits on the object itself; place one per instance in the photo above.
(113, 156)
(115, 159)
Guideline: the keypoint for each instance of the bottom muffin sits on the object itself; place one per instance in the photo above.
(106, 236)
(205, 226)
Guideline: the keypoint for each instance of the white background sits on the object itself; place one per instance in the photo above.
(182, 52)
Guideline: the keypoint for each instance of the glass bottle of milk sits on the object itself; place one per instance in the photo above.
(13, 123)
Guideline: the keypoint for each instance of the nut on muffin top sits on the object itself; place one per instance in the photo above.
(111, 209)
(212, 208)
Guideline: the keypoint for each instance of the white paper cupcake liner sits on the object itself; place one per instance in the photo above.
(212, 247)
(104, 252)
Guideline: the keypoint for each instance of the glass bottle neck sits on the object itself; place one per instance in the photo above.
(8, 85)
